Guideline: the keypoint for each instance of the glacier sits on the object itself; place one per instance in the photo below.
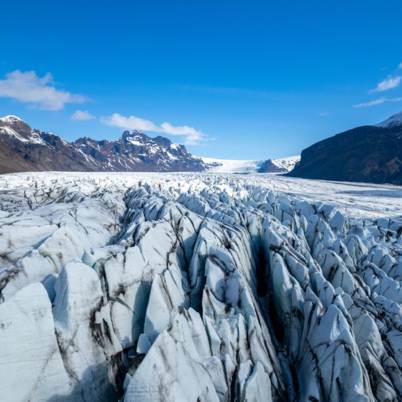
(199, 287)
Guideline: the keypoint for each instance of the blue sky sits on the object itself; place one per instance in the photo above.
(233, 79)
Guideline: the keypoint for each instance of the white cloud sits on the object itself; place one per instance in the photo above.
(191, 135)
(29, 88)
(370, 103)
(130, 123)
(387, 84)
(378, 101)
(400, 65)
(82, 115)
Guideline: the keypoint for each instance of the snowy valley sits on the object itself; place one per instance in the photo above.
(199, 287)
(281, 165)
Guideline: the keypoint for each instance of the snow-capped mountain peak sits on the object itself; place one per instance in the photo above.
(14, 121)
(15, 128)
(10, 118)
(135, 137)
(393, 121)
(23, 148)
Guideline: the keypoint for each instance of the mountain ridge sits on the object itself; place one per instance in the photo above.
(25, 149)
(394, 120)
(365, 154)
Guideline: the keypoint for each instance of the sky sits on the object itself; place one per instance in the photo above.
(230, 79)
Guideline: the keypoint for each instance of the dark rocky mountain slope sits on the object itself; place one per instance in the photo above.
(25, 149)
(366, 154)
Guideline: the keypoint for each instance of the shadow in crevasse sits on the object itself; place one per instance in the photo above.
(94, 385)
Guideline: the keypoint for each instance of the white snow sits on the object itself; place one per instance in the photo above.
(12, 133)
(34, 137)
(231, 165)
(10, 119)
(394, 120)
(287, 163)
(135, 141)
(246, 166)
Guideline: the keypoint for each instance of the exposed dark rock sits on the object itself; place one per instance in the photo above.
(25, 149)
(366, 154)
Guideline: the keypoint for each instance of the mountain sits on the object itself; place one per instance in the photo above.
(281, 165)
(25, 149)
(393, 121)
(365, 154)
(135, 151)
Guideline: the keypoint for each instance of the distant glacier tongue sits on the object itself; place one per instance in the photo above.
(190, 288)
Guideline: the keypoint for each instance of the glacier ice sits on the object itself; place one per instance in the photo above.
(197, 287)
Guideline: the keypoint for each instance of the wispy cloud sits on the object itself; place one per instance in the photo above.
(400, 65)
(82, 115)
(191, 135)
(387, 84)
(27, 87)
(378, 101)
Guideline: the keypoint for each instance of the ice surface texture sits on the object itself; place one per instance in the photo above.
(161, 287)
